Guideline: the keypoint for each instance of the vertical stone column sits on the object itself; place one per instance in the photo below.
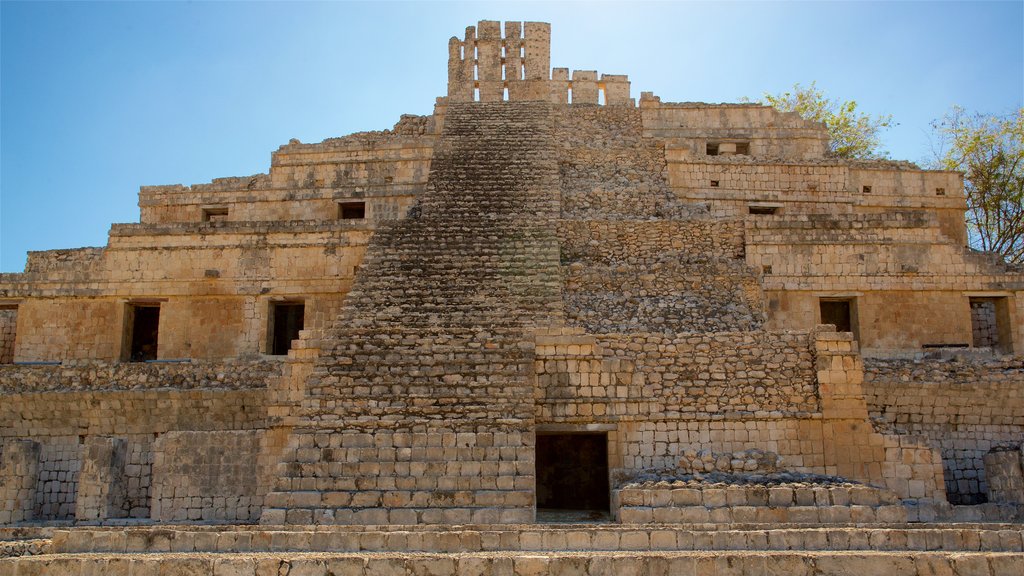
(537, 60)
(460, 87)
(616, 89)
(584, 86)
(907, 465)
(537, 39)
(513, 60)
(559, 86)
(101, 482)
(19, 473)
(469, 62)
(492, 87)
(1004, 472)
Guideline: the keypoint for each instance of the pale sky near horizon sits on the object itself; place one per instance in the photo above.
(97, 99)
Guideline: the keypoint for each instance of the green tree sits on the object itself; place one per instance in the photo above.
(852, 134)
(989, 150)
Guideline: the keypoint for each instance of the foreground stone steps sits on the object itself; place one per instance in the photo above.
(523, 564)
(618, 564)
(544, 538)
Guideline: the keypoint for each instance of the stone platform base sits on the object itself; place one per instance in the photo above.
(987, 549)
(717, 563)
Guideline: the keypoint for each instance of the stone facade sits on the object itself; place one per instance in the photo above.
(379, 330)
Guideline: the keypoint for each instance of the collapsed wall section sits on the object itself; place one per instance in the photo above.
(963, 407)
(95, 426)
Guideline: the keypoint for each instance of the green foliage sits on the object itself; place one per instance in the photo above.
(989, 150)
(852, 134)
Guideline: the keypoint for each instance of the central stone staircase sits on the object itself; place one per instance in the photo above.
(420, 409)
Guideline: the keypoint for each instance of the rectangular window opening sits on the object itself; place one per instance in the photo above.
(940, 191)
(990, 323)
(743, 148)
(714, 183)
(351, 210)
(8, 331)
(840, 312)
(215, 214)
(142, 322)
(712, 149)
(866, 189)
(286, 319)
(763, 210)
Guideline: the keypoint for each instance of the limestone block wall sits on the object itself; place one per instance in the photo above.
(209, 476)
(608, 170)
(964, 408)
(57, 485)
(19, 472)
(69, 409)
(732, 184)
(889, 267)
(69, 329)
(102, 377)
(613, 377)
(793, 502)
(214, 290)
(386, 170)
(1003, 468)
(796, 395)
(691, 125)
(644, 241)
(102, 485)
(8, 331)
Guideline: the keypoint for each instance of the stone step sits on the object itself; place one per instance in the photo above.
(524, 563)
(541, 538)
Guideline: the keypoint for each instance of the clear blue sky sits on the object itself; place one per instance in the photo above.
(97, 99)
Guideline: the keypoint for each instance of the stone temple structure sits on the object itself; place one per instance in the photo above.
(544, 330)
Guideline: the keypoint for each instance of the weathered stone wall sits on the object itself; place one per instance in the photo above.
(68, 409)
(19, 473)
(964, 408)
(645, 241)
(386, 170)
(8, 331)
(213, 291)
(682, 376)
(608, 170)
(690, 126)
(209, 476)
(813, 416)
(86, 376)
(1004, 470)
(801, 503)
(897, 285)
(102, 483)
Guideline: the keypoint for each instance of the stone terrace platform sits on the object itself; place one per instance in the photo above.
(584, 549)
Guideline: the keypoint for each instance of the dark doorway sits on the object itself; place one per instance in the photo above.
(841, 313)
(286, 321)
(352, 210)
(572, 472)
(145, 326)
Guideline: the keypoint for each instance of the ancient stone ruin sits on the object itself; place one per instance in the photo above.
(545, 329)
